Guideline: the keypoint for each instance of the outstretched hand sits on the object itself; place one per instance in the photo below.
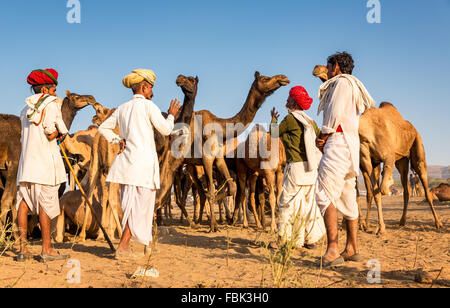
(274, 114)
(175, 106)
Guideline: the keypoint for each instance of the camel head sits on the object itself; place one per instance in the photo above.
(187, 84)
(77, 102)
(321, 71)
(268, 85)
(101, 113)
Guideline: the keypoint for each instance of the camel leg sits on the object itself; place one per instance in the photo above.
(114, 203)
(208, 165)
(240, 198)
(270, 178)
(252, 192)
(388, 170)
(381, 228)
(262, 201)
(7, 201)
(367, 169)
(232, 187)
(104, 204)
(421, 170)
(403, 168)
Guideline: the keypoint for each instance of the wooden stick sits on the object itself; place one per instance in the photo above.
(87, 200)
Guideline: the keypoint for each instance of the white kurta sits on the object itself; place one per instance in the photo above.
(341, 110)
(40, 160)
(138, 164)
(41, 168)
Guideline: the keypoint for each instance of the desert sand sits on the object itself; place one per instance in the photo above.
(190, 258)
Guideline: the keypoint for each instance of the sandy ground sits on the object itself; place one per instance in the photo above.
(196, 258)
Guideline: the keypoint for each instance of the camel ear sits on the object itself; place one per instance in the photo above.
(257, 75)
(67, 92)
(196, 79)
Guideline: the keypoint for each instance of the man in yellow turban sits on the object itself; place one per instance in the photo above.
(136, 167)
(138, 76)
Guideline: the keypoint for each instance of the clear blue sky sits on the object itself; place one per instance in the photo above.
(404, 60)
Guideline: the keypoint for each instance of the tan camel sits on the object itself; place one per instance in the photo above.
(10, 127)
(386, 138)
(261, 88)
(441, 193)
(79, 145)
(251, 167)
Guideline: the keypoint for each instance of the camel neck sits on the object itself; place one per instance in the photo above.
(188, 108)
(252, 104)
(68, 113)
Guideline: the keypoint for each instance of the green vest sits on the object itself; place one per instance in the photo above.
(291, 134)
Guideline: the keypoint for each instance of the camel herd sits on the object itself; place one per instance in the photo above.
(230, 181)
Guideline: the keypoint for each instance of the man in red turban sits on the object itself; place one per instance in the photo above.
(299, 221)
(41, 168)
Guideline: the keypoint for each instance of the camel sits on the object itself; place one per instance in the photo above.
(386, 138)
(261, 88)
(441, 193)
(171, 162)
(11, 148)
(251, 167)
(79, 145)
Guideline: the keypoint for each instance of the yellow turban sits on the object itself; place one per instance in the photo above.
(138, 76)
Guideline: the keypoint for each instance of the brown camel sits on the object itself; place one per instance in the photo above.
(386, 138)
(251, 167)
(261, 88)
(11, 148)
(171, 162)
(441, 193)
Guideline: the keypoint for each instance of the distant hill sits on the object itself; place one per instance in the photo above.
(436, 172)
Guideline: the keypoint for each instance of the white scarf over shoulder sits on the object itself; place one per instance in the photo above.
(312, 152)
(361, 96)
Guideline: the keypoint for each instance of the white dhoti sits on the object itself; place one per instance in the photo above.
(299, 215)
(37, 195)
(138, 204)
(337, 180)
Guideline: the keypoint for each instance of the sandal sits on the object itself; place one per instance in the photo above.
(339, 262)
(49, 258)
(22, 257)
(355, 258)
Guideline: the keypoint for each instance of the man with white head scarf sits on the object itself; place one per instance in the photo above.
(342, 99)
(136, 166)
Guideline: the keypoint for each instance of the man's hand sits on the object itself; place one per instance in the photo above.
(60, 138)
(174, 107)
(320, 144)
(123, 145)
(321, 141)
(274, 114)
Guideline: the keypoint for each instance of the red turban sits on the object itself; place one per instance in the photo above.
(39, 77)
(301, 97)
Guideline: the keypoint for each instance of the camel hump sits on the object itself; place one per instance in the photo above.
(387, 105)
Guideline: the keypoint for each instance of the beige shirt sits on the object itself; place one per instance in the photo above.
(138, 164)
(40, 159)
